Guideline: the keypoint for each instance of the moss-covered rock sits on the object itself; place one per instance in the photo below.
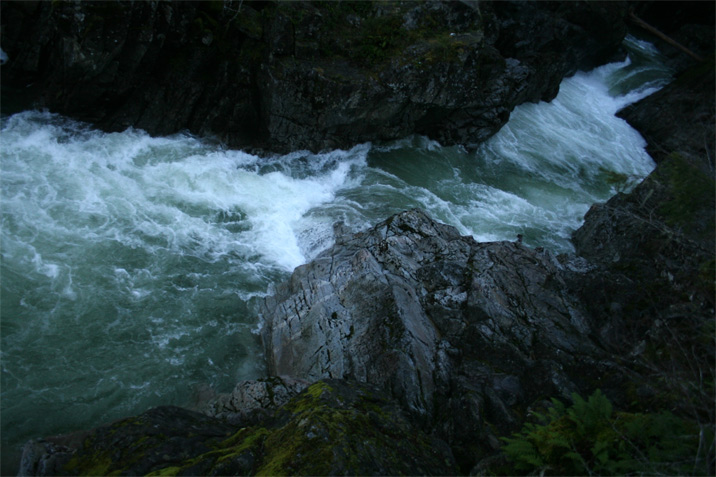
(334, 427)
(341, 428)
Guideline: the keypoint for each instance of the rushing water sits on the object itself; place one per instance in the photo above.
(131, 265)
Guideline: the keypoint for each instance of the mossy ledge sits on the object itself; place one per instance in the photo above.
(332, 427)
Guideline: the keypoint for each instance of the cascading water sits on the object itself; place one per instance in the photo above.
(131, 265)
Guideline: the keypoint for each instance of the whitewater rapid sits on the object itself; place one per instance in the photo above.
(131, 265)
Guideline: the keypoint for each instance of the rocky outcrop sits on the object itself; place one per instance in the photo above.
(465, 335)
(331, 428)
(468, 337)
(660, 237)
(254, 400)
(422, 332)
(299, 75)
(425, 348)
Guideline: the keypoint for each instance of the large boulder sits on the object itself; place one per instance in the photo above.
(465, 335)
(300, 75)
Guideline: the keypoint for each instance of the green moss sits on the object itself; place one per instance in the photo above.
(101, 453)
(280, 454)
(317, 390)
(616, 180)
(167, 471)
(381, 38)
(307, 443)
(323, 430)
(306, 401)
(98, 464)
(140, 441)
(444, 48)
(245, 439)
(370, 34)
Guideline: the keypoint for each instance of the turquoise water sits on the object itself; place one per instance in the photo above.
(131, 265)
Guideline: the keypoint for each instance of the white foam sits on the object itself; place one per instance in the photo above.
(576, 134)
(136, 184)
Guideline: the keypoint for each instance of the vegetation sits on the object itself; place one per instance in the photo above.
(325, 430)
(589, 438)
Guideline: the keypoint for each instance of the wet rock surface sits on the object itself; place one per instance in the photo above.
(297, 75)
(254, 400)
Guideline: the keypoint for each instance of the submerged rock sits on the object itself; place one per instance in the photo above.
(300, 75)
(331, 428)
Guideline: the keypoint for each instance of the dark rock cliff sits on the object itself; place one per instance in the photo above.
(653, 290)
(300, 75)
(655, 245)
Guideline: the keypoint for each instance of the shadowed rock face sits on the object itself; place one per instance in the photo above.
(653, 291)
(298, 75)
(655, 245)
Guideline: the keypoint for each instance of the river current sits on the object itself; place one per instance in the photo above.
(132, 265)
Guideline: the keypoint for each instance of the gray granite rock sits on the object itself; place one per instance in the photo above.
(460, 333)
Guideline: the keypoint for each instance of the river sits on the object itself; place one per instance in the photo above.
(132, 265)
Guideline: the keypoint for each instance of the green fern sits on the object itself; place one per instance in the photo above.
(590, 438)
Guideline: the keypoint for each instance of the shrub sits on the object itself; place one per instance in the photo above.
(589, 438)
